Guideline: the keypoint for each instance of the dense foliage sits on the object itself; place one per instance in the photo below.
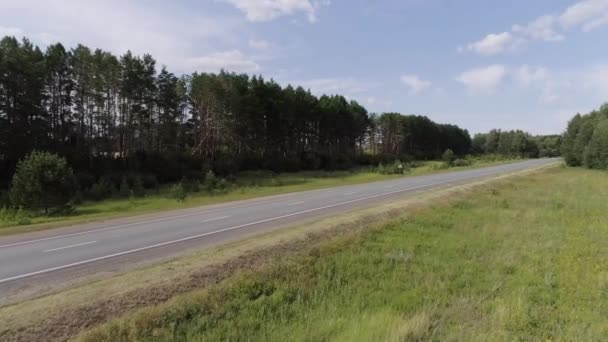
(120, 122)
(516, 143)
(549, 145)
(586, 140)
(43, 181)
(416, 136)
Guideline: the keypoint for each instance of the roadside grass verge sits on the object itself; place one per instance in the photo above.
(521, 259)
(247, 185)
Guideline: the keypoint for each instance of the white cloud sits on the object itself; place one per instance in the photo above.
(483, 80)
(540, 79)
(587, 86)
(415, 83)
(543, 28)
(228, 60)
(596, 79)
(596, 23)
(564, 87)
(266, 10)
(492, 44)
(527, 75)
(163, 29)
(548, 97)
(585, 15)
(588, 14)
(584, 86)
(260, 44)
(346, 86)
(377, 102)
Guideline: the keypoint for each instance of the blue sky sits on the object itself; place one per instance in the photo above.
(528, 64)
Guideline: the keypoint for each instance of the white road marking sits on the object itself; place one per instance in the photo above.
(88, 261)
(296, 203)
(494, 171)
(389, 186)
(350, 193)
(71, 246)
(215, 219)
(139, 223)
(83, 262)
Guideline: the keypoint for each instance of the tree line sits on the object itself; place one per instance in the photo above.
(586, 140)
(516, 143)
(110, 114)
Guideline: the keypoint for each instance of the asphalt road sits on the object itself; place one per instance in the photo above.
(30, 257)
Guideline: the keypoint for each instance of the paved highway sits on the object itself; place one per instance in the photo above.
(29, 257)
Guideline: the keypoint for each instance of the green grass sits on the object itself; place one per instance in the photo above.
(525, 259)
(246, 186)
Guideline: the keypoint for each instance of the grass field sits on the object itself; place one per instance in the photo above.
(523, 259)
(246, 186)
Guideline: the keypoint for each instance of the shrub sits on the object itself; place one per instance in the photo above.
(225, 166)
(101, 190)
(416, 163)
(448, 157)
(124, 190)
(276, 182)
(43, 181)
(211, 181)
(78, 198)
(137, 186)
(439, 166)
(462, 162)
(12, 216)
(395, 168)
(222, 184)
(191, 185)
(4, 199)
(311, 161)
(337, 162)
(149, 181)
(84, 180)
(179, 192)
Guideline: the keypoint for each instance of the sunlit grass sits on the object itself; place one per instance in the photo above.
(523, 260)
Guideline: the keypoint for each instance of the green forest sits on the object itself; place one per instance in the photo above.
(111, 116)
(585, 142)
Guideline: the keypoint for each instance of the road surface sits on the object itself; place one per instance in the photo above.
(29, 258)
